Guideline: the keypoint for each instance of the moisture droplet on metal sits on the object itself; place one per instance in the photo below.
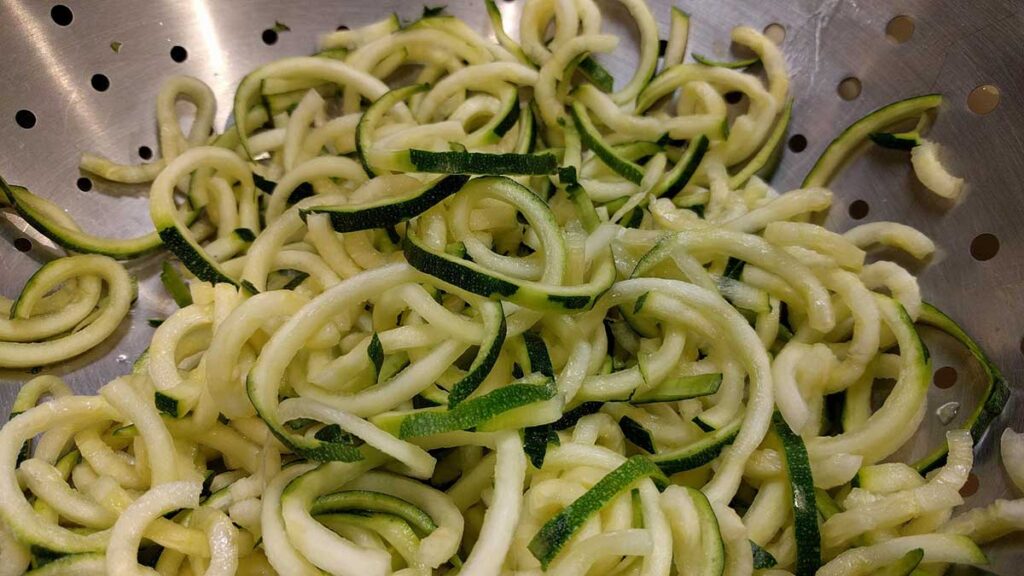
(947, 412)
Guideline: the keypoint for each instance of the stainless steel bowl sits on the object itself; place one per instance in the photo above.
(56, 70)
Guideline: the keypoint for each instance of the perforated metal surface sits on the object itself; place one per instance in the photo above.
(47, 69)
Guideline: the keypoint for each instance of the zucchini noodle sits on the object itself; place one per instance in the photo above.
(452, 306)
(102, 293)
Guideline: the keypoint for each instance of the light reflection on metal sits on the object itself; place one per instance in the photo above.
(68, 85)
(219, 78)
(510, 15)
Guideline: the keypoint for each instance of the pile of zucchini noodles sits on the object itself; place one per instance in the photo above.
(501, 319)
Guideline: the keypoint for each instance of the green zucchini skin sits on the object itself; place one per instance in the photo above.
(168, 405)
(597, 74)
(33, 209)
(681, 174)
(592, 139)
(838, 151)
(192, 257)
(699, 453)
(315, 449)
(482, 163)
(994, 399)
(636, 434)
(710, 534)
(26, 204)
(474, 411)
(896, 141)
(175, 285)
(681, 388)
(805, 507)
(554, 535)
(376, 162)
(368, 501)
(392, 212)
(471, 277)
(476, 279)
(767, 160)
(763, 560)
(494, 321)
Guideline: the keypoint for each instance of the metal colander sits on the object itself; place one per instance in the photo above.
(83, 76)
